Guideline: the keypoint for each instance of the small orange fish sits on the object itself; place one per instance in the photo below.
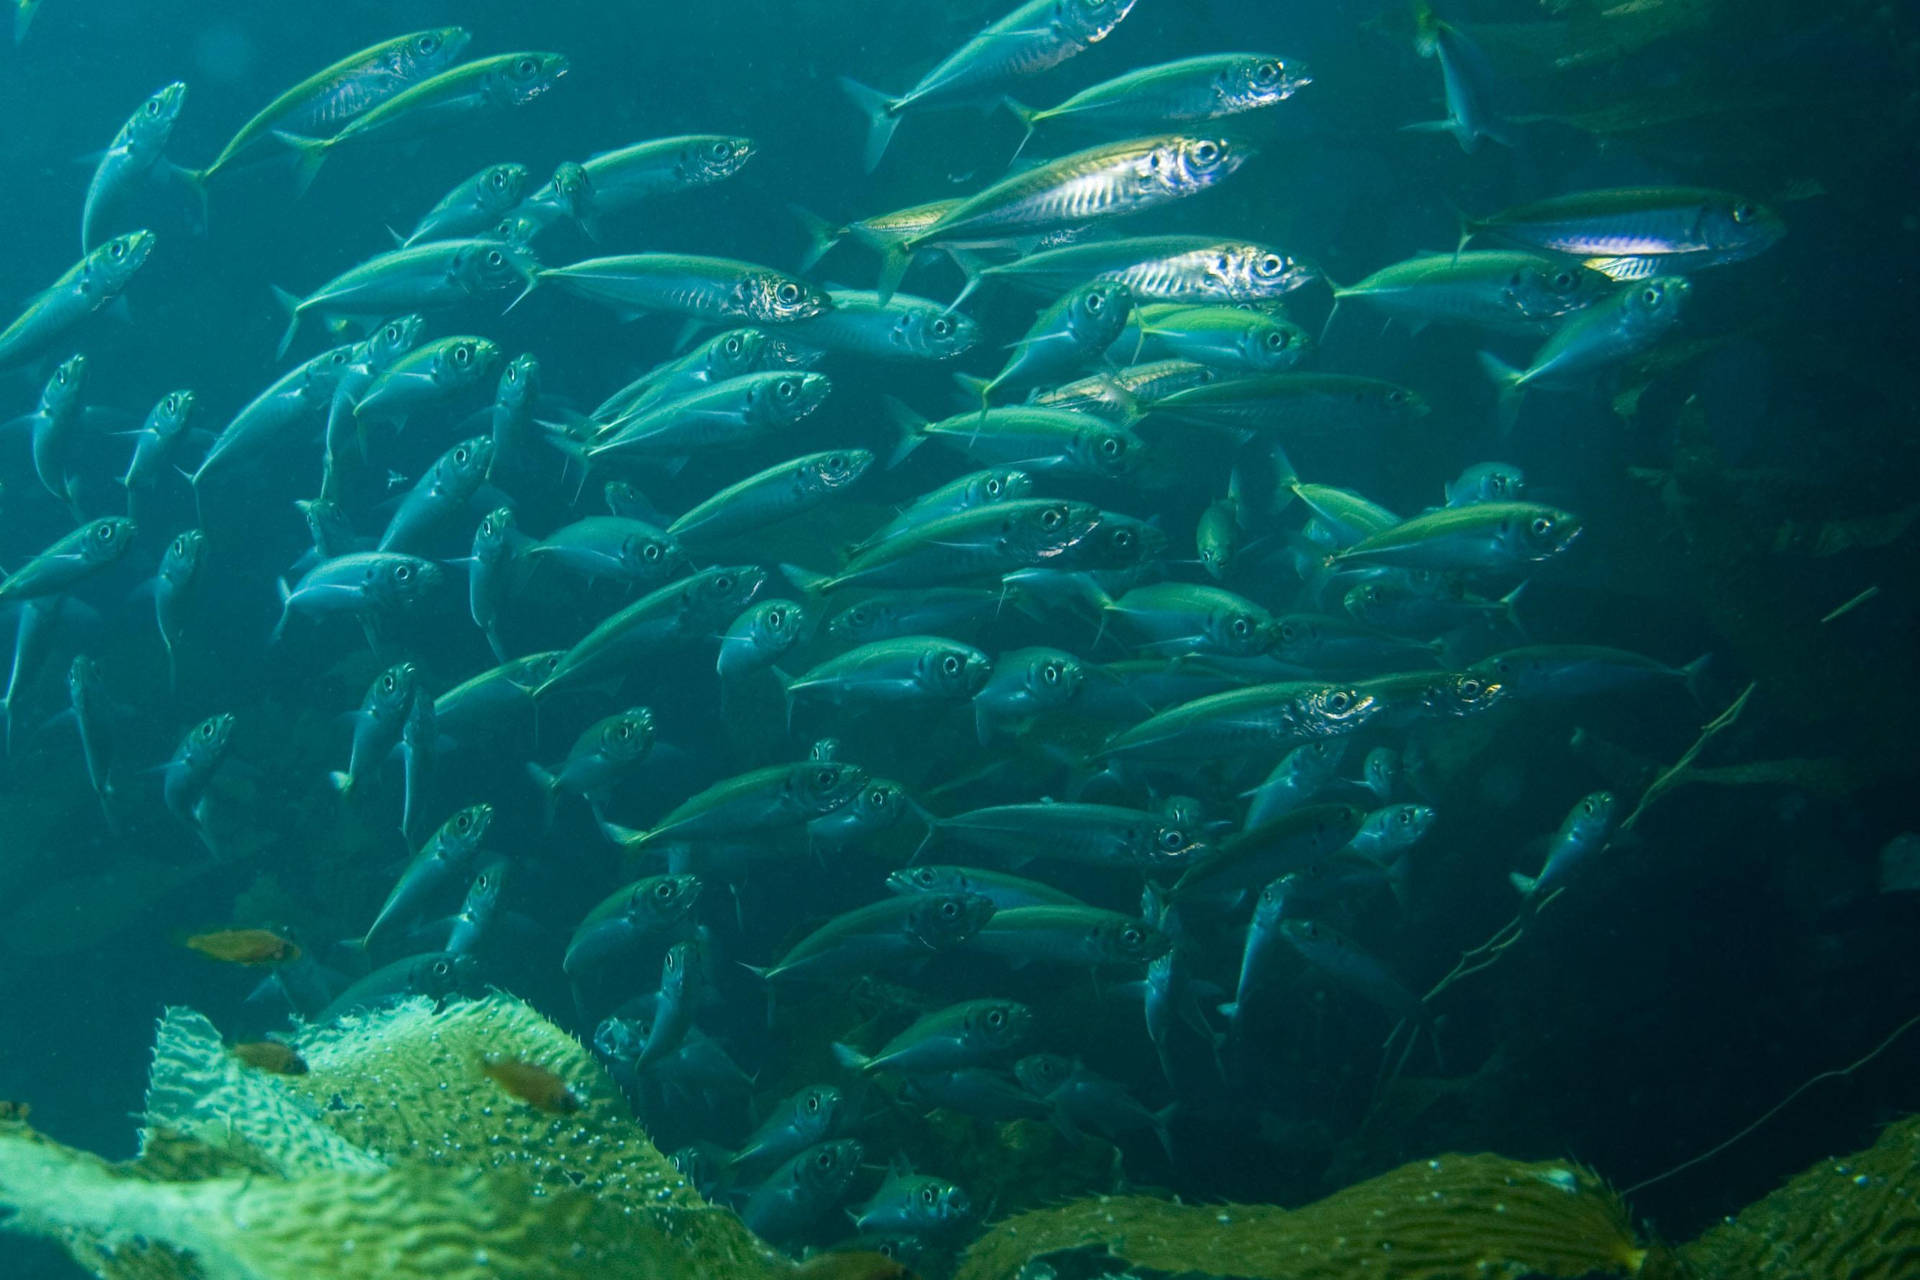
(535, 1086)
(245, 946)
(271, 1055)
(15, 1111)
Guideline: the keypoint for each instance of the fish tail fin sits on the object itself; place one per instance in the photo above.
(1509, 610)
(822, 235)
(309, 155)
(1399, 880)
(975, 387)
(973, 267)
(844, 1054)
(895, 258)
(1693, 673)
(908, 425)
(341, 781)
(1526, 884)
(549, 793)
(805, 580)
(1512, 389)
(881, 120)
(1028, 118)
(286, 610)
(289, 303)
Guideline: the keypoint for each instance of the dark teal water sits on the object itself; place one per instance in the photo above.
(1737, 944)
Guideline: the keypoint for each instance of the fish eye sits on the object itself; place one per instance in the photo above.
(387, 682)
(731, 346)
(463, 355)
(928, 1196)
(1094, 302)
(206, 731)
(1266, 73)
(1051, 518)
(427, 43)
(463, 823)
(723, 583)
(441, 968)
(1050, 673)
(950, 910)
(651, 552)
(1132, 936)
(1470, 687)
(813, 1102)
(1562, 281)
(117, 249)
(1271, 264)
(877, 797)
(498, 178)
(495, 258)
(1743, 212)
(461, 455)
(788, 292)
(104, 533)
(824, 1160)
(1405, 816)
(1111, 446)
(1542, 526)
(825, 778)
(153, 108)
(951, 664)
(719, 151)
(941, 326)
(1650, 295)
(526, 66)
(1240, 626)
(1338, 700)
(1289, 632)
(1278, 340)
(402, 573)
(836, 463)
(1206, 152)
(789, 389)
(1123, 539)
(1173, 841)
(1396, 397)
(776, 618)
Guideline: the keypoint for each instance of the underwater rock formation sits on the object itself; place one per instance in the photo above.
(396, 1156)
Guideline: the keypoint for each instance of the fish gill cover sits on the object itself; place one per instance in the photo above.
(804, 633)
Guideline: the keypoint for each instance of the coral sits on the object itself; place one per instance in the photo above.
(1855, 1218)
(1455, 1216)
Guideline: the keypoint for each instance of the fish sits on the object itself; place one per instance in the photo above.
(419, 757)
(1032, 439)
(366, 362)
(1500, 290)
(605, 753)
(448, 98)
(1082, 1099)
(619, 548)
(84, 288)
(806, 1117)
(444, 860)
(1417, 604)
(780, 492)
(903, 671)
(1488, 537)
(1573, 670)
(1102, 835)
(1001, 888)
(159, 436)
(93, 548)
(964, 493)
(1292, 405)
(1411, 696)
(245, 947)
(969, 1034)
(187, 775)
(807, 1187)
(876, 232)
(1109, 180)
(1487, 482)
(1066, 336)
(421, 277)
(1467, 80)
(136, 151)
(1175, 618)
(1391, 830)
(468, 927)
(499, 551)
(439, 497)
(1302, 774)
(1036, 36)
(687, 609)
(987, 1093)
(1630, 232)
(437, 975)
(760, 637)
(1261, 944)
(338, 93)
(612, 182)
(915, 1204)
(891, 932)
(1256, 855)
(428, 375)
(726, 355)
(710, 290)
(1229, 339)
(774, 796)
(898, 328)
(176, 594)
(680, 978)
(1025, 683)
(93, 718)
(1184, 91)
(535, 1085)
(998, 539)
(655, 907)
(42, 621)
(474, 206)
(515, 397)
(1167, 268)
(736, 412)
(56, 420)
(1605, 334)
(1282, 714)
(925, 611)
(1344, 962)
(1329, 643)
(1083, 937)
(272, 1056)
(363, 584)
